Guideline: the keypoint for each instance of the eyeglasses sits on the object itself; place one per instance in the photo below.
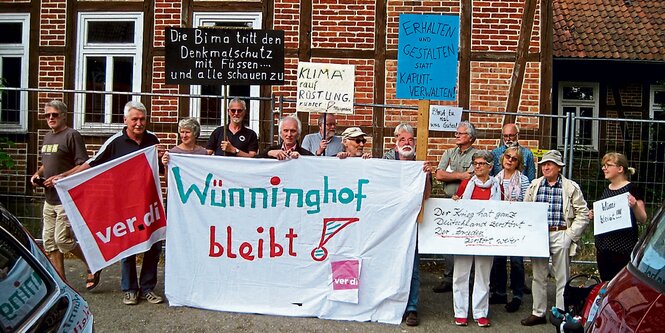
(53, 115)
(607, 165)
(360, 140)
(510, 158)
(510, 136)
(236, 111)
(477, 164)
(460, 133)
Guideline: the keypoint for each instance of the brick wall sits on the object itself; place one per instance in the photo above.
(167, 14)
(343, 24)
(164, 109)
(53, 18)
(14, 180)
(286, 13)
(51, 76)
(496, 26)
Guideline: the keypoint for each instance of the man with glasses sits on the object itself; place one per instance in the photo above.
(511, 138)
(353, 140)
(240, 141)
(63, 150)
(324, 142)
(454, 167)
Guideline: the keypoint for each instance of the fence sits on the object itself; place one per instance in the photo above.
(97, 115)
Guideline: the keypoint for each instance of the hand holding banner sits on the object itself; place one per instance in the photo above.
(115, 209)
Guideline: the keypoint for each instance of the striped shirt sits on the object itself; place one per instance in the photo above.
(553, 195)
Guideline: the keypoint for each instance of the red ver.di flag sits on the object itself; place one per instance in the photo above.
(115, 209)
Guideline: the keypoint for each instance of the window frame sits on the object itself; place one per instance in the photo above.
(201, 19)
(653, 107)
(109, 51)
(577, 104)
(21, 50)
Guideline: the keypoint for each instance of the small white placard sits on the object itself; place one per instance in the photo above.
(611, 214)
(444, 118)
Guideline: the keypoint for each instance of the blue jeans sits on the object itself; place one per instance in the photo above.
(499, 276)
(414, 291)
(148, 277)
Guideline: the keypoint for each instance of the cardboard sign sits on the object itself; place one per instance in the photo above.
(224, 56)
(484, 227)
(427, 57)
(611, 214)
(444, 118)
(325, 88)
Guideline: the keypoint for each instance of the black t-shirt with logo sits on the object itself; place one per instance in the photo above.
(245, 139)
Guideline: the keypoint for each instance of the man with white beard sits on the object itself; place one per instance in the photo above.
(405, 150)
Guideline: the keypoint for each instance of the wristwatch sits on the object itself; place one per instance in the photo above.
(237, 151)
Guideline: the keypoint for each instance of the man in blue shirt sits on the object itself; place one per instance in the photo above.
(511, 138)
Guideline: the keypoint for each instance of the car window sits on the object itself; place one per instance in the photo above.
(23, 287)
(651, 260)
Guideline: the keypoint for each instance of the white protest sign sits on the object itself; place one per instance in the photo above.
(484, 227)
(115, 208)
(325, 88)
(444, 118)
(611, 214)
(327, 238)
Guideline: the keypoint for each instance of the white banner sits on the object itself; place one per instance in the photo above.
(325, 87)
(611, 214)
(484, 227)
(115, 208)
(313, 236)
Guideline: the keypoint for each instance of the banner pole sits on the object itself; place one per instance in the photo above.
(422, 139)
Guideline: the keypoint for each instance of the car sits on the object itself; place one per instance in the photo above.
(33, 296)
(634, 301)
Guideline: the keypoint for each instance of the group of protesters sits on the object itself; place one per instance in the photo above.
(506, 173)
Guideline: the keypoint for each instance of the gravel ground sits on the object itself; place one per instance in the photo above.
(435, 312)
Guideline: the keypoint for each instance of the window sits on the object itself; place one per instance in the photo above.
(209, 110)
(14, 42)
(580, 99)
(109, 57)
(650, 258)
(657, 102)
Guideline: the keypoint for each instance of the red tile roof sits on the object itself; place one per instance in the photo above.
(609, 29)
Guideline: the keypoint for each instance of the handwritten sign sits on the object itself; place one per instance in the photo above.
(444, 118)
(427, 57)
(273, 241)
(325, 88)
(484, 227)
(611, 214)
(224, 56)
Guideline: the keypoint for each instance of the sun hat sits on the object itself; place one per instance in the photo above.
(352, 132)
(552, 156)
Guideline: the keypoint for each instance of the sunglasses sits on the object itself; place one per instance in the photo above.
(51, 115)
(510, 158)
(236, 111)
(360, 140)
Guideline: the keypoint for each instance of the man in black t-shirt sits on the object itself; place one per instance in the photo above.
(132, 138)
(240, 141)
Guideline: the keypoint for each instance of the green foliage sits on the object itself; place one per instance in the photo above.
(6, 161)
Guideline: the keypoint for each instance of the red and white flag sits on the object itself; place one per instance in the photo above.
(115, 209)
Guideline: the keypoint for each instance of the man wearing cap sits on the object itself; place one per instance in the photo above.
(289, 131)
(566, 218)
(454, 167)
(316, 143)
(353, 140)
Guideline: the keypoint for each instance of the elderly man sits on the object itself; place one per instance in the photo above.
(131, 138)
(405, 150)
(353, 140)
(566, 219)
(240, 141)
(454, 167)
(511, 138)
(289, 130)
(324, 142)
(63, 150)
